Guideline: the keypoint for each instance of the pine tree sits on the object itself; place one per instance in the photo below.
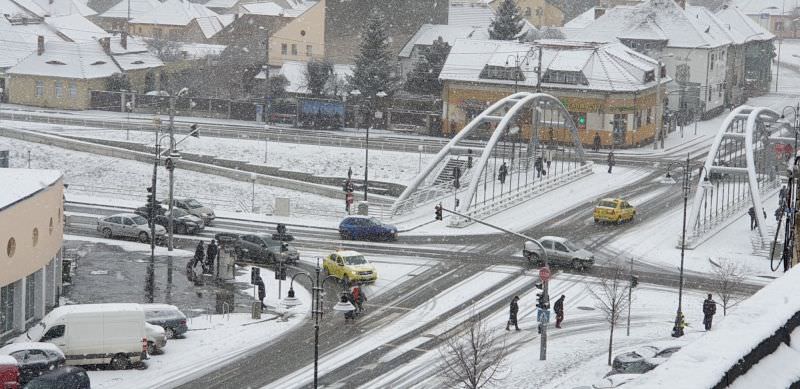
(318, 74)
(507, 23)
(424, 79)
(373, 65)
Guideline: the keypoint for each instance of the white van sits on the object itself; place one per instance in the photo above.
(91, 334)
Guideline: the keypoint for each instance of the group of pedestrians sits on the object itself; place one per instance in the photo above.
(513, 313)
(205, 257)
(357, 298)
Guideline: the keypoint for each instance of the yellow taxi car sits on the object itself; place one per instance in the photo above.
(614, 211)
(349, 266)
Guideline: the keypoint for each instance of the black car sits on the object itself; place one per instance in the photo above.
(261, 248)
(182, 222)
(34, 358)
(67, 377)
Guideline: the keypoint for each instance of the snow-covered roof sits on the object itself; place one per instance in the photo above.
(771, 7)
(84, 308)
(428, 33)
(21, 8)
(581, 20)
(14, 347)
(20, 184)
(64, 7)
(657, 20)
(469, 14)
(7, 360)
(76, 27)
(18, 41)
(703, 363)
(741, 27)
(135, 61)
(175, 13)
(605, 66)
(295, 73)
(200, 50)
(137, 9)
(221, 3)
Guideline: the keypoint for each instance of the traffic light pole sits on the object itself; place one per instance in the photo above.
(545, 284)
(171, 176)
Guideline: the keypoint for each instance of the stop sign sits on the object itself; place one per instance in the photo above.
(544, 273)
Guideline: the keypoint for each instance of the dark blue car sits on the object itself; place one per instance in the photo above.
(366, 228)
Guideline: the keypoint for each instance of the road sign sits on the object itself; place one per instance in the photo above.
(544, 273)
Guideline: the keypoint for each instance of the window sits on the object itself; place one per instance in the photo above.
(6, 308)
(308, 50)
(294, 49)
(59, 88)
(11, 247)
(284, 48)
(53, 333)
(39, 92)
(719, 90)
(649, 115)
(73, 89)
(547, 244)
(51, 226)
(35, 236)
(560, 247)
(637, 119)
(527, 11)
(712, 61)
(30, 295)
(564, 77)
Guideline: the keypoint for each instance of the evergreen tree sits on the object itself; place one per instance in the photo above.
(507, 23)
(373, 65)
(424, 79)
(318, 74)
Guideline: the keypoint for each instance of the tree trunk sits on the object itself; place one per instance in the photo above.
(610, 344)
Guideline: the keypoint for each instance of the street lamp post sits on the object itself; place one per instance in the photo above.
(518, 61)
(316, 307)
(171, 169)
(677, 329)
(253, 178)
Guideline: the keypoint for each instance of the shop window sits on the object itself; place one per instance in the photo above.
(11, 247)
(30, 295)
(7, 308)
(649, 115)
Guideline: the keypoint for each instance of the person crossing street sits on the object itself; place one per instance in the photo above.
(709, 309)
(558, 307)
(513, 310)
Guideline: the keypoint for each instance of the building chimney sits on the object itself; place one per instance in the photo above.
(681, 3)
(123, 40)
(40, 45)
(598, 12)
(105, 43)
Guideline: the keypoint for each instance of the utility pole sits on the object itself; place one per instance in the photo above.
(659, 108)
(170, 224)
(546, 307)
(630, 296)
(539, 72)
(267, 97)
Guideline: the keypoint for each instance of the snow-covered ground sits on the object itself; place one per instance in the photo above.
(325, 161)
(126, 179)
(211, 339)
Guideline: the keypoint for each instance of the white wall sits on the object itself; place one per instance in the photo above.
(700, 72)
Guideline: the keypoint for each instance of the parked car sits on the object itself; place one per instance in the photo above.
(615, 381)
(641, 360)
(349, 266)
(560, 252)
(366, 228)
(66, 377)
(193, 207)
(9, 372)
(128, 225)
(264, 249)
(156, 338)
(34, 358)
(182, 222)
(613, 211)
(169, 317)
(92, 334)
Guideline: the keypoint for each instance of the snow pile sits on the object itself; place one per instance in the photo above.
(703, 363)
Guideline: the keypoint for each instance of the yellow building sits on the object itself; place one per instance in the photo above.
(179, 20)
(63, 74)
(537, 12)
(31, 235)
(302, 38)
(610, 90)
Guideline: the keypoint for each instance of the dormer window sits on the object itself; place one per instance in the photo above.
(99, 63)
(55, 62)
(564, 77)
(138, 62)
(502, 73)
(649, 76)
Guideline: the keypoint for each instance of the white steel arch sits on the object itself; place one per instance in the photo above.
(741, 127)
(503, 113)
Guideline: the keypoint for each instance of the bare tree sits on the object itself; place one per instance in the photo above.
(474, 358)
(611, 298)
(727, 275)
(165, 49)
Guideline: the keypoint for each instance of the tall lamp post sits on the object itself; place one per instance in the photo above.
(677, 329)
(316, 307)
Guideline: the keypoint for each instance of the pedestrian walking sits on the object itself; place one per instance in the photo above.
(709, 309)
(262, 291)
(538, 166)
(559, 308)
(211, 255)
(502, 173)
(549, 154)
(350, 315)
(778, 214)
(596, 142)
(199, 254)
(359, 297)
(611, 161)
(513, 310)
(782, 196)
(752, 213)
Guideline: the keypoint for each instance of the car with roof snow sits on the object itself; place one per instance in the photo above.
(128, 225)
(168, 317)
(182, 222)
(9, 372)
(616, 210)
(642, 359)
(34, 358)
(560, 252)
(65, 377)
(349, 266)
(194, 207)
(366, 228)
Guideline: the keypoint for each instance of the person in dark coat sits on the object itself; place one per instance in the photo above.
(262, 291)
(350, 315)
(752, 213)
(709, 309)
(596, 142)
(558, 307)
(782, 196)
(199, 254)
(502, 173)
(611, 161)
(513, 310)
(211, 255)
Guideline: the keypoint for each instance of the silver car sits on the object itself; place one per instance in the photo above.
(128, 225)
(193, 207)
(560, 252)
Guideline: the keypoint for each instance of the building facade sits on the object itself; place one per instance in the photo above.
(540, 13)
(31, 233)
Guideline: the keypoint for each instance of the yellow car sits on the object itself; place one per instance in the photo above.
(350, 266)
(614, 211)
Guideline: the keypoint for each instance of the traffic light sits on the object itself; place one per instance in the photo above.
(255, 274)
(540, 300)
(634, 281)
(284, 247)
(438, 211)
(456, 177)
(469, 158)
